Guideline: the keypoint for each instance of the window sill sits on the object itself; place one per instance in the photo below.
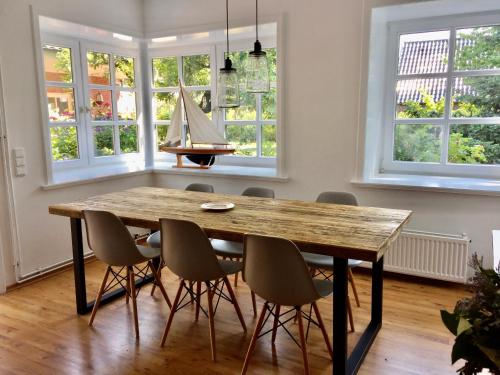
(457, 185)
(233, 171)
(80, 176)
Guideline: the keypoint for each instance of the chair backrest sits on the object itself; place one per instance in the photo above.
(276, 271)
(187, 251)
(337, 197)
(110, 239)
(258, 192)
(203, 188)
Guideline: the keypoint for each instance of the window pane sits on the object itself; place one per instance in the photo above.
(61, 104)
(204, 101)
(476, 96)
(100, 105)
(420, 98)
(419, 142)
(128, 139)
(247, 109)
(423, 53)
(98, 68)
(269, 140)
(161, 135)
(478, 48)
(165, 73)
(196, 70)
(103, 141)
(64, 141)
(474, 144)
(126, 105)
(243, 138)
(57, 63)
(124, 71)
(164, 104)
(269, 105)
(271, 60)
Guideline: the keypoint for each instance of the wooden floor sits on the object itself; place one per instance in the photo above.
(40, 333)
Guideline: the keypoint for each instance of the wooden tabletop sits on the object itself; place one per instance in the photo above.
(343, 231)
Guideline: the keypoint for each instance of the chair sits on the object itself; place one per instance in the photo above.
(187, 252)
(202, 188)
(275, 270)
(318, 262)
(113, 244)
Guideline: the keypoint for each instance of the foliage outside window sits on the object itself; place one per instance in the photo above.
(251, 128)
(447, 97)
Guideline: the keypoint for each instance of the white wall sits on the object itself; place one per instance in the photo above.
(39, 232)
(325, 62)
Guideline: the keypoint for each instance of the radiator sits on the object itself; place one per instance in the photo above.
(431, 255)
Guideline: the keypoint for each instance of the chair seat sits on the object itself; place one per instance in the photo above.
(228, 249)
(148, 252)
(324, 287)
(326, 261)
(230, 267)
(154, 240)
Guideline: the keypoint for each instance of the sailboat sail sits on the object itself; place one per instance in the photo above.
(201, 129)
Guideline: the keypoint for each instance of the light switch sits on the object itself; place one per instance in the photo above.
(18, 152)
(21, 171)
(20, 162)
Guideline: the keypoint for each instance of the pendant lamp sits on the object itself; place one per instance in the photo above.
(257, 66)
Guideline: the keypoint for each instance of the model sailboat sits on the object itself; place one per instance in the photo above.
(206, 140)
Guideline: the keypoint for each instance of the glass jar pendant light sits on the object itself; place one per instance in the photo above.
(257, 66)
(228, 87)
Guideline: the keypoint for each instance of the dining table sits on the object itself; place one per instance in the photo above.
(341, 231)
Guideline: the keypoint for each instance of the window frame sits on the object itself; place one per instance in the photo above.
(81, 89)
(443, 168)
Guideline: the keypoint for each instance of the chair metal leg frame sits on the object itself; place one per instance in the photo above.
(161, 264)
(329, 276)
(82, 305)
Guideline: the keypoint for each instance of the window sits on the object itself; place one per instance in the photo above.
(92, 100)
(251, 128)
(195, 71)
(443, 102)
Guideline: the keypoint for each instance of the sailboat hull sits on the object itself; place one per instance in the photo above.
(203, 157)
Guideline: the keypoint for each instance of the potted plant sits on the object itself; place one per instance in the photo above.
(475, 322)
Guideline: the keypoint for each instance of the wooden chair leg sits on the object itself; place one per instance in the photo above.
(323, 329)
(172, 312)
(99, 295)
(127, 285)
(235, 303)
(353, 285)
(160, 284)
(159, 276)
(349, 312)
(254, 303)
(191, 284)
(276, 321)
(133, 295)
(253, 341)
(211, 320)
(198, 299)
(236, 279)
(303, 341)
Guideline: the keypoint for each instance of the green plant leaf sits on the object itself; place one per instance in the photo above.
(493, 354)
(463, 325)
(450, 321)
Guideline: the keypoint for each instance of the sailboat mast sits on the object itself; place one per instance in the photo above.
(185, 111)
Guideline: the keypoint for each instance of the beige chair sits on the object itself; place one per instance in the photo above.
(275, 270)
(187, 252)
(202, 188)
(113, 244)
(321, 263)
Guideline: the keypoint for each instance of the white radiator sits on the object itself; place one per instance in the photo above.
(432, 255)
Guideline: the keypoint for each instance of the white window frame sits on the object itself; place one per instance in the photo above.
(179, 52)
(81, 89)
(388, 165)
(259, 160)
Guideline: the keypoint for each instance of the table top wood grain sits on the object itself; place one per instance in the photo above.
(342, 231)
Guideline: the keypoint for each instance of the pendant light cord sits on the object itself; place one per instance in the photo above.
(257, 19)
(227, 26)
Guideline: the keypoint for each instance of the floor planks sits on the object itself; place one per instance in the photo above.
(40, 333)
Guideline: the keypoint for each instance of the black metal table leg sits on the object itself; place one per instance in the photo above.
(340, 316)
(82, 306)
(342, 364)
